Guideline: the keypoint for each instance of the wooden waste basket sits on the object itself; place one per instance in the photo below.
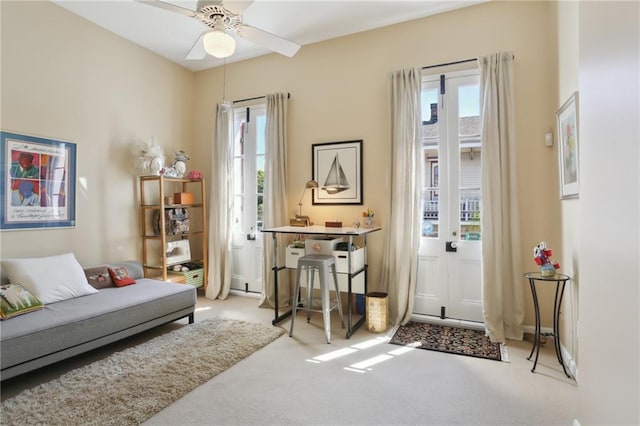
(377, 312)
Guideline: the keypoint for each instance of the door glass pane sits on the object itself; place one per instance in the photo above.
(261, 122)
(238, 171)
(238, 213)
(430, 139)
(260, 192)
(470, 151)
(238, 143)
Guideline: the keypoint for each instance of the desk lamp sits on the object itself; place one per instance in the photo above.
(299, 219)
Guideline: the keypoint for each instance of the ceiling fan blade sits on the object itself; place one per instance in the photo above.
(170, 7)
(197, 50)
(268, 40)
(236, 7)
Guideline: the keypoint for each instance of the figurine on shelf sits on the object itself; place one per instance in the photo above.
(178, 168)
(180, 163)
(542, 257)
(169, 171)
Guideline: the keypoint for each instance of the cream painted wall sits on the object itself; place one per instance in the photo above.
(63, 77)
(608, 212)
(567, 24)
(599, 56)
(92, 87)
(87, 85)
(340, 91)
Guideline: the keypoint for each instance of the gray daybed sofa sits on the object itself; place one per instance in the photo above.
(73, 326)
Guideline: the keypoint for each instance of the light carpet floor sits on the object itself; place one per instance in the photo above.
(301, 380)
(365, 380)
(128, 387)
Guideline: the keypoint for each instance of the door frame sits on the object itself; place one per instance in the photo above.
(450, 287)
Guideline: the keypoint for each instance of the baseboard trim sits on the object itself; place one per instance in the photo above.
(244, 293)
(448, 321)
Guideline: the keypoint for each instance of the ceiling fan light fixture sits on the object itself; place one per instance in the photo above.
(219, 44)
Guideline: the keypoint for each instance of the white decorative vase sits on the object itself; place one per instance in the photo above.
(156, 165)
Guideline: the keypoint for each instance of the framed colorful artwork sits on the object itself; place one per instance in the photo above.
(37, 182)
(337, 167)
(568, 152)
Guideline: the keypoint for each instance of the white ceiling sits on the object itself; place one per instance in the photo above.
(172, 35)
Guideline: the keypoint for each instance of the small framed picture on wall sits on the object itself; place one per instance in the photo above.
(568, 144)
(337, 167)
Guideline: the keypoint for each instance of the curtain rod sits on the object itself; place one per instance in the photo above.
(454, 63)
(257, 97)
(450, 63)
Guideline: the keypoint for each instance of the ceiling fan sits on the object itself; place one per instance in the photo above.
(221, 16)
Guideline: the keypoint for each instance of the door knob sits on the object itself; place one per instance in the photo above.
(252, 235)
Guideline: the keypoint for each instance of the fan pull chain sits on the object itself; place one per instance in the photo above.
(224, 81)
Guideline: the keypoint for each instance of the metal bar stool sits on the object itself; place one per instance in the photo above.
(325, 264)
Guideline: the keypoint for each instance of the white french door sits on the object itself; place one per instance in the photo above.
(449, 264)
(248, 181)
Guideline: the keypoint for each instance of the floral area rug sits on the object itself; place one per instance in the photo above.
(455, 340)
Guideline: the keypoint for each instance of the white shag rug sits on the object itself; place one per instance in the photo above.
(129, 387)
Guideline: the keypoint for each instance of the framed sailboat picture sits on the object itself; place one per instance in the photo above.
(337, 167)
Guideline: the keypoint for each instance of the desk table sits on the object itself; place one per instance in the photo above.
(560, 281)
(322, 231)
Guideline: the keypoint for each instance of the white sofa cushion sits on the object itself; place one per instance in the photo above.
(51, 278)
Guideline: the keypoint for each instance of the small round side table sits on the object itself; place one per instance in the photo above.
(561, 281)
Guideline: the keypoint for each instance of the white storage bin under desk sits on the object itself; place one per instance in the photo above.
(321, 245)
(293, 254)
(342, 260)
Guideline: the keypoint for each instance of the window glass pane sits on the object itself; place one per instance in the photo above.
(261, 122)
(260, 191)
(260, 164)
(470, 151)
(429, 105)
(238, 143)
(470, 215)
(249, 164)
(430, 222)
(430, 140)
(238, 170)
(469, 100)
(238, 213)
(260, 213)
(430, 194)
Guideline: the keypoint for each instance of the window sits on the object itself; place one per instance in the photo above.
(249, 152)
(451, 150)
(248, 193)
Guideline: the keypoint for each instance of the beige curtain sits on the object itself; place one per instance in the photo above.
(400, 254)
(503, 307)
(275, 199)
(221, 202)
